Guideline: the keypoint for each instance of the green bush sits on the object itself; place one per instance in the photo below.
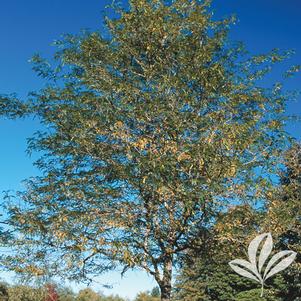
(254, 295)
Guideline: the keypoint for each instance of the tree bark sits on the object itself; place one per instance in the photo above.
(165, 285)
(166, 292)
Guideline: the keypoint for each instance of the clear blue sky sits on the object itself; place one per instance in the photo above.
(30, 26)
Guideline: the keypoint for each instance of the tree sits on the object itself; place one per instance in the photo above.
(112, 298)
(284, 207)
(155, 292)
(151, 129)
(88, 294)
(284, 218)
(154, 295)
(3, 291)
(26, 293)
(66, 294)
(210, 278)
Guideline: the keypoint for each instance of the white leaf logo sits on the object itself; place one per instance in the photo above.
(253, 269)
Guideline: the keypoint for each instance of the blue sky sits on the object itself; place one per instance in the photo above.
(27, 27)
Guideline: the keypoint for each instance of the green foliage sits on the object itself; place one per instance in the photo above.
(254, 295)
(284, 218)
(112, 298)
(209, 280)
(3, 291)
(28, 293)
(25, 293)
(66, 294)
(148, 296)
(150, 133)
(208, 277)
(88, 294)
(155, 292)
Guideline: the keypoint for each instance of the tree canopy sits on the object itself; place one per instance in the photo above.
(151, 128)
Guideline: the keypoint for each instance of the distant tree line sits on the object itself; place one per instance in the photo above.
(52, 292)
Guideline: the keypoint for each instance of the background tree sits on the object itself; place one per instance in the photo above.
(153, 295)
(209, 280)
(88, 294)
(3, 291)
(150, 130)
(112, 298)
(66, 294)
(155, 292)
(284, 218)
(208, 277)
(26, 293)
(254, 295)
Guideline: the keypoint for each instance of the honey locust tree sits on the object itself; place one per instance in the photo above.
(150, 128)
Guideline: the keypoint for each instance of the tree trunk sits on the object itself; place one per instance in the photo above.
(166, 292)
(165, 284)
